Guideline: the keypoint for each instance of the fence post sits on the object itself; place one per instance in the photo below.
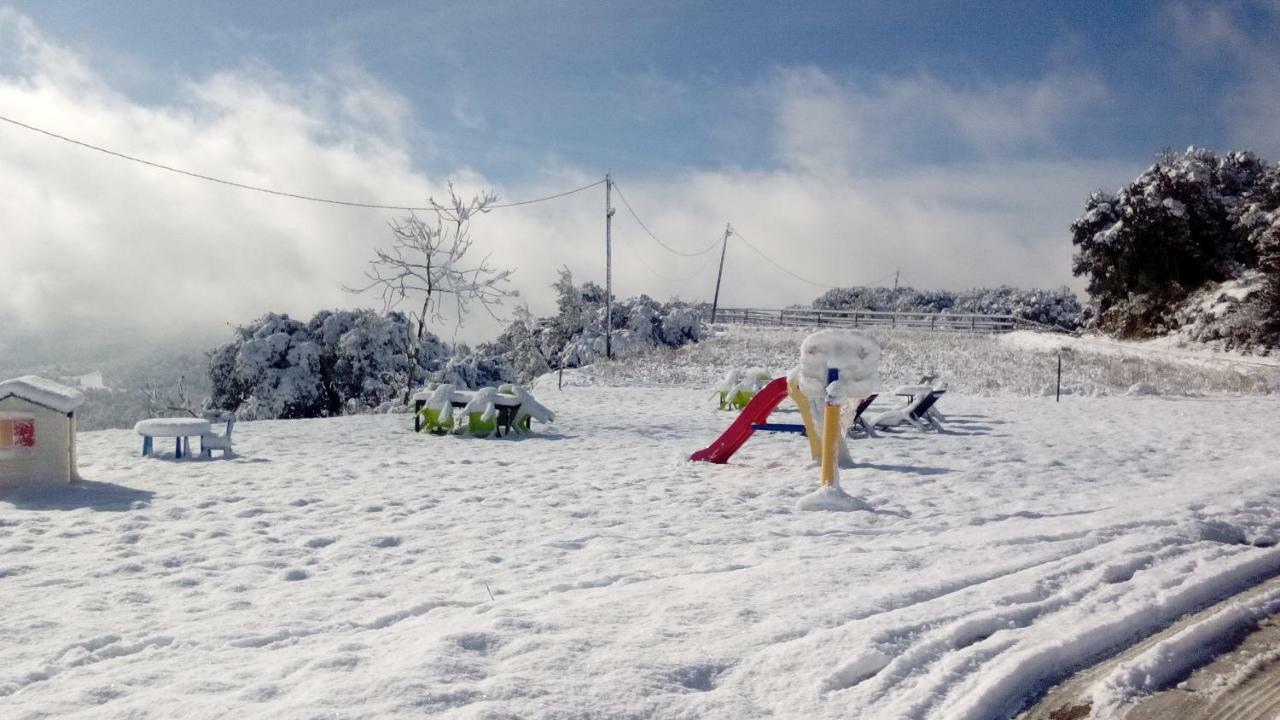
(1057, 393)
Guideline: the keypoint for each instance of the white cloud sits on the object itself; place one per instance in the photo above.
(1214, 34)
(94, 243)
(826, 125)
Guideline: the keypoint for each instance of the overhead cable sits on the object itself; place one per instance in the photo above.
(781, 267)
(655, 238)
(657, 273)
(269, 191)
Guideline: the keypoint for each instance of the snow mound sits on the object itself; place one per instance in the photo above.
(831, 498)
(1141, 388)
(855, 355)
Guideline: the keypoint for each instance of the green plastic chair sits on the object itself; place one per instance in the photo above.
(436, 414)
(481, 414)
(743, 393)
(433, 421)
(479, 427)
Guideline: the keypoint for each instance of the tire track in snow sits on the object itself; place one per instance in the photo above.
(1002, 689)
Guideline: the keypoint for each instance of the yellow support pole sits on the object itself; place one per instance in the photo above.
(806, 414)
(830, 442)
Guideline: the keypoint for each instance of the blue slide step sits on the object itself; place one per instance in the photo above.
(779, 427)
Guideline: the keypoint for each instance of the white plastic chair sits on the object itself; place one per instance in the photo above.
(213, 441)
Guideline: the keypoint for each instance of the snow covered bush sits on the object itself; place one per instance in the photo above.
(1188, 223)
(488, 365)
(347, 361)
(575, 335)
(1058, 308)
(341, 361)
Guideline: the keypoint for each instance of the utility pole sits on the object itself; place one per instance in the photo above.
(895, 280)
(608, 265)
(715, 302)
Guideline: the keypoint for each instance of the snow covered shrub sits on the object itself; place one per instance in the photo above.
(576, 337)
(345, 360)
(278, 365)
(681, 323)
(1184, 224)
(1059, 308)
(365, 355)
(488, 365)
(1259, 216)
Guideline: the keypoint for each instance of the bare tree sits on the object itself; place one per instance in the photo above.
(426, 264)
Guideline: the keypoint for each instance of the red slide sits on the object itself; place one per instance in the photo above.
(755, 413)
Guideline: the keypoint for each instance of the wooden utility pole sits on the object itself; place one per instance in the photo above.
(895, 279)
(608, 266)
(724, 245)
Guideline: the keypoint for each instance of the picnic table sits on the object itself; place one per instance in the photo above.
(181, 429)
(507, 406)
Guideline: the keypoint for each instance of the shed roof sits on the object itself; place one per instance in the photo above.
(40, 391)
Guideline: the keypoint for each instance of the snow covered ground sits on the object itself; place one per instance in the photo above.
(1018, 364)
(349, 568)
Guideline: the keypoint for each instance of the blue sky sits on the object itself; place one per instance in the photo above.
(645, 88)
(952, 142)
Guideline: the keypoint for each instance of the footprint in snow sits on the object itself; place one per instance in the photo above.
(386, 541)
(477, 642)
(698, 678)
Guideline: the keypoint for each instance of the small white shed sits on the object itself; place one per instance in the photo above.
(37, 431)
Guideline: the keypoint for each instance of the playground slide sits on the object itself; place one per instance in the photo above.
(755, 413)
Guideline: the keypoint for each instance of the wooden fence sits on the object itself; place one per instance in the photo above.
(936, 322)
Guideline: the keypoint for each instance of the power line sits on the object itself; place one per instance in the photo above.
(649, 232)
(269, 191)
(549, 197)
(781, 267)
(654, 271)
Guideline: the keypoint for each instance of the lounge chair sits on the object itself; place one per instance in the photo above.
(915, 413)
(860, 424)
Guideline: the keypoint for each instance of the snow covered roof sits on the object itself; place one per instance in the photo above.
(40, 391)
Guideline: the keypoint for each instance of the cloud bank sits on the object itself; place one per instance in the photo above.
(95, 250)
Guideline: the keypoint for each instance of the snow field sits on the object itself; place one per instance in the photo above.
(349, 568)
(1019, 364)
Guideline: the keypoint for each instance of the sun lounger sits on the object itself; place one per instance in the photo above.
(860, 423)
(915, 413)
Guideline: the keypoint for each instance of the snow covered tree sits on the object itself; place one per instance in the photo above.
(487, 365)
(272, 370)
(1259, 218)
(1166, 234)
(1059, 307)
(521, 340)
(342, 361)
(426, 265)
